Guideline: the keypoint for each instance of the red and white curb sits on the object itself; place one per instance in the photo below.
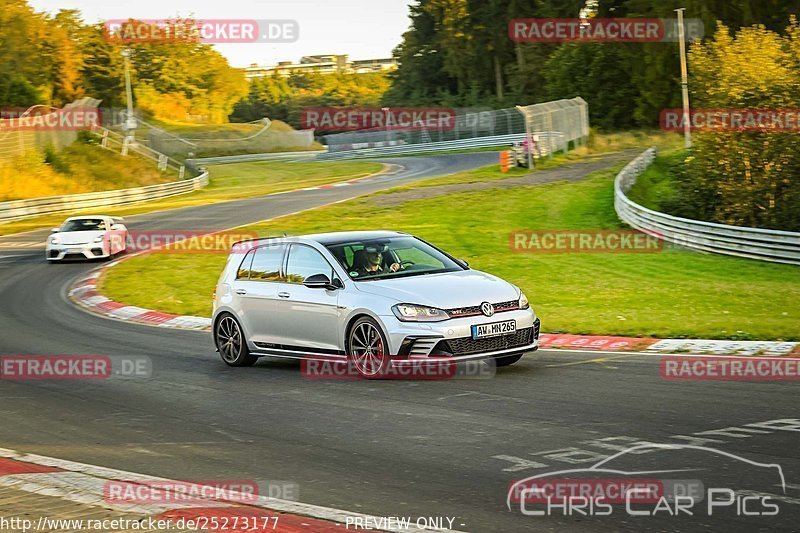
(84, 293)
(671, 346)
(86, 485)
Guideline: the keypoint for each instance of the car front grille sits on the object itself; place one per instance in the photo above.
(468, 345)
(473, 310)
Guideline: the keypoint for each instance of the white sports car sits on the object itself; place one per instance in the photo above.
(87, 237)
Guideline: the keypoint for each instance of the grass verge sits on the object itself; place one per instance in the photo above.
(671, 293)
(80, 167)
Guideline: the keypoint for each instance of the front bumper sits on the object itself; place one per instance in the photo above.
(89, 250)
(454, 337)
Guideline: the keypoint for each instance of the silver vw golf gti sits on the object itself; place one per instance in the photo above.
(373, 298)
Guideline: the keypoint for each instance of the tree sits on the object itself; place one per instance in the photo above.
(745, 178)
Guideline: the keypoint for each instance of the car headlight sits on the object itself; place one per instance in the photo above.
(55, 240)
(100, 238)
(523, 301)
(419, 313)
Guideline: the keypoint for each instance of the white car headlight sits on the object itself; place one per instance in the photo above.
(523, 301)
(419, 313)
(54, 240)
(100, 238)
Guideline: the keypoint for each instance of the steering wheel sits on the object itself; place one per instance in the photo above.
(405, 263)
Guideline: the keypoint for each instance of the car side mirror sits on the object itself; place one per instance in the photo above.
(319, 281)
(55, 230)
(115, 227)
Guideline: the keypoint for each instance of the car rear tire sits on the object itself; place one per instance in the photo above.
(368, 349)
(230, 342)
(508, 360)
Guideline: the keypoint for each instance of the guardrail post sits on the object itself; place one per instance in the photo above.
(162, 162)
(181, 171)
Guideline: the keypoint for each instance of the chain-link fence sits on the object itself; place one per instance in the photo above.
(557, 123)
(562, 122)
(467, 124)
(230, 139)
(15, 141)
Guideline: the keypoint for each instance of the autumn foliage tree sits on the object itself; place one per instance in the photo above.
(747, 178)
(54, 59)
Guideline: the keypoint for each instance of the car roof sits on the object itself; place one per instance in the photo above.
(83, 217)
(327, 239)
(339, 237)
(87, 216)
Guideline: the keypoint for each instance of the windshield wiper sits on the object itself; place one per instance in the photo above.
(394, 275)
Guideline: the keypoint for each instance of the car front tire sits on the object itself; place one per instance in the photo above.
(231, 343)
(368, 349)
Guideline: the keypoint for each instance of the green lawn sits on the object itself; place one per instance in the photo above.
(670, 293)
(228, 182)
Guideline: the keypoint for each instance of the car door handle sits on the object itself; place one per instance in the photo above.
(284, 294)
(241, 291)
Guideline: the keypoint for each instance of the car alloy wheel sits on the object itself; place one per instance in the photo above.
(369, 352)
(231, 343)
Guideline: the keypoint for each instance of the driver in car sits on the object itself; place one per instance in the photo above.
(372, 264)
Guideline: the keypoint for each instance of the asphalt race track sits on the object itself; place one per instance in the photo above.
(446, 448)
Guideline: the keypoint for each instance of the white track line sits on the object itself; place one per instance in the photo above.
(83, 488)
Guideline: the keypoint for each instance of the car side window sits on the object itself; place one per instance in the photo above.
(244, 267)
(305, 261)
(266, 264)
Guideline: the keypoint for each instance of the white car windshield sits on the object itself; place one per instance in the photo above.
(84, 224)
(395, 257)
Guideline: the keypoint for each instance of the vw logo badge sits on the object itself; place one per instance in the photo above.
(487, 309)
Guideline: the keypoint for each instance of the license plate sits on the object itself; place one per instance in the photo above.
(74, 250)
(506, 327)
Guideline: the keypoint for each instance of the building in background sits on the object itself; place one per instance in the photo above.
(322, 64)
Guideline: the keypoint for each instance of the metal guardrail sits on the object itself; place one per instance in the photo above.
(753, 243)
(395, 149)
(18, 209)
(246, 158)
(111, 140)
(443, 146)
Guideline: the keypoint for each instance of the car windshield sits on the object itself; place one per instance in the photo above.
(84, 224)
(393, 257)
